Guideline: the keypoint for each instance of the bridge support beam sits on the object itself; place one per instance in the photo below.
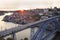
(14, 36)
(32, 32)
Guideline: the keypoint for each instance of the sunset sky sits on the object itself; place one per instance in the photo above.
(27, 4)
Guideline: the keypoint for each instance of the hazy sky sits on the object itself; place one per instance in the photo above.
(27, 4)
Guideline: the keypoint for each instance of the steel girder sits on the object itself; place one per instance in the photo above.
(40, 32)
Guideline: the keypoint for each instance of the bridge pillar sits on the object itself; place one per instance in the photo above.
(32, 32)
(14, 36)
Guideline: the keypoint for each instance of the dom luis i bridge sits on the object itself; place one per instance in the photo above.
(47, 29)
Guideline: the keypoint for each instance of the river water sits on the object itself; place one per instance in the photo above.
(8, 25)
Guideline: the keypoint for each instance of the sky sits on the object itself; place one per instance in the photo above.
(27, 4)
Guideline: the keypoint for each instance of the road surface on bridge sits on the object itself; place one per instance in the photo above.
(22, 27)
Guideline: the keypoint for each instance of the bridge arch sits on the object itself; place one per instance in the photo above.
(40, 32)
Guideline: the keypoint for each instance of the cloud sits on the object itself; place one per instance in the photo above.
(26, 4)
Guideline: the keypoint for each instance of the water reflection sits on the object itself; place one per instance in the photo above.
(6, 25)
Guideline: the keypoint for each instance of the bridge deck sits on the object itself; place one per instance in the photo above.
(23, 27)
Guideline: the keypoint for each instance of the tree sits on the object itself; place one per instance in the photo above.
(9, 38)
(36, 17)
(25, 38)
(1, 38)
